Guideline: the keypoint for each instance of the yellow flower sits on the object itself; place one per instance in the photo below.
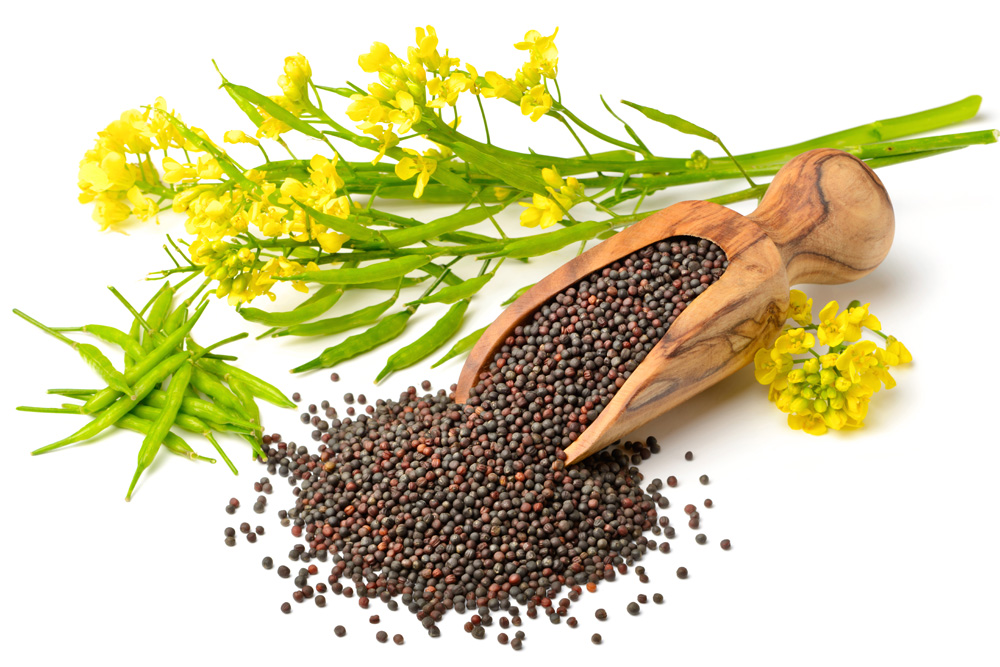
(500, 86)
(109, 210)
(896, 353)
(239, 137)
(853, 319)
(406, 112)
(811, 423)
(165, 135)
(130, 132)
(536, 102)
(331, 241)
(323, 174)
(794, 341)
(143, 207)
(543, 52)
(427, 41)
(367, 108)
(386, 139)
(175, 172)
(209, 168)
(111, 173)
(378, 57)
(856, 360)
(418, 166)
(542, 211)
(829, 330)
(800, 308)
(770, 364)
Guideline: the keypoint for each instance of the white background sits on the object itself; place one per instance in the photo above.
(874, 547)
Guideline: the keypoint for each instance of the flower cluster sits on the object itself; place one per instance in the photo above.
(411, 92)
(830, 390)
(119, 169)
(546, 211)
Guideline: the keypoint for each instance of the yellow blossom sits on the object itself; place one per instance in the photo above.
(896, 353)
(856, 360)
(829, 330)
(770, 364)
(239, 137)
(811, 423)
(853, 319)
(800, 308)
(109, 210)
(416, 165)
(209, 168)
(367, 108)
(500, 86)
(378, 57)
(543, 52)
(386, 139)
(323, 174)
(427, 41)
(143, 207)
(112, 172)
(794, 341)
(536, 102)
(406, 112)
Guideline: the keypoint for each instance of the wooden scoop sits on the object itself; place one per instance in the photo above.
(826, 218)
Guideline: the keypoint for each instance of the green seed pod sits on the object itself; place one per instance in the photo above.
(438, 335)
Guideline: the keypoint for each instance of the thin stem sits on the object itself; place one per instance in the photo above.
(128, 306)
(486, 126)
(596, 133)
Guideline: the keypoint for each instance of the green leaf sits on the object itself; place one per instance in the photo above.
(275, 110)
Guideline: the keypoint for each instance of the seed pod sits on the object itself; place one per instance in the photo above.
(106, 397)
(463, 290)
(462, 346)
(318, 303)
(334, 325)
(438, 335)
(387, 329)
(393, 268)
(160, 427)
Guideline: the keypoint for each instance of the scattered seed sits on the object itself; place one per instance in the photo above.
(700, 538)
(703, 479)
(725, 544)
(382, 636)
(601, 615)
(682, 573)
(595, 638)
(286, 608)
(340, 631)
(688, 456)
(633, 608)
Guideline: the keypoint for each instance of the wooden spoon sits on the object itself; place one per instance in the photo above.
(826, 218)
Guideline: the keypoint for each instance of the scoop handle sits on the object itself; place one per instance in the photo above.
(830, 217)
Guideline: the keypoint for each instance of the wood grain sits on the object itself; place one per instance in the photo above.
(825, 219)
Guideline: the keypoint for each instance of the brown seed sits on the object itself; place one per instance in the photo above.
(708, 502)
(682, 573)
(398, 640)
(703, 479)
(688, 456)
(671, 481)
(725, 544)
(595, 638)
(340, 631)
(690, 509)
